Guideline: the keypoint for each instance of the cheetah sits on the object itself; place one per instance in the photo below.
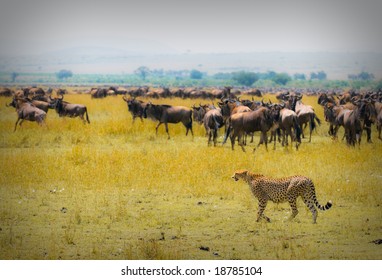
(281, 190)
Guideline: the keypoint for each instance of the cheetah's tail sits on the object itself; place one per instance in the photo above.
(325, 207)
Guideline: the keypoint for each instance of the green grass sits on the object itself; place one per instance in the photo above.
(114, 190)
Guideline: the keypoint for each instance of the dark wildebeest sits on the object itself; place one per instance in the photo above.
(282, 96)
(325, 98)
(367, 114)
(169, 114)
(135, 107)
(378, 109)
(66, 109)
(379, 124)
(98, 92)
(6, 92)
(353, 127)
(358, 119)
(27, 111)
(249, 122)
(198, 113)
(213, 120)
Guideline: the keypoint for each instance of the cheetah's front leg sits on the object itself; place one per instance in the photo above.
(260, 213)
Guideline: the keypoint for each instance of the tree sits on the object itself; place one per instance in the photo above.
(196, 74)
(363, 76)
(64, 74)
(14, 75)
(281, 78)
(321, 75)
(378, 86)
(244, 78)
(299, 76)
(142, 72)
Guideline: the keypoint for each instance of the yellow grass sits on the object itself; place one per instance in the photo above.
(114, 190)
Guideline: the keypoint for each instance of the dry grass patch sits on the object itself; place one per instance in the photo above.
(114, 190)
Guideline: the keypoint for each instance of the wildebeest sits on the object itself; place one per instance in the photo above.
(27, 111)
(305, 115)
(198, 112)
(353, 127)
(42, 105)
(249, 122)
(288, 124)
(367, 114)
(169, 114)
(213, 120)
(379, 124)
(6, 92)
(135, 107)
(325, 98)
(66, 109)
(98, 92)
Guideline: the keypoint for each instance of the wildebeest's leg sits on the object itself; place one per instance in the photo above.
(87, 117)
(240, 141)
(16, 123)
(82, 118)
(209, 137)
(156, 129)
(189, 127)
(367, 127)
(232, 138)
(263, 139)
(215, 136)
(168, 134)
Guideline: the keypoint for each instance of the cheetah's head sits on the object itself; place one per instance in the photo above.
(240, 174)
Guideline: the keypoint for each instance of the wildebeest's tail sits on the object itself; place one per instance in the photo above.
(297, 129)
(229, 128)
(218, 122)
(313, 120)
(87, 117)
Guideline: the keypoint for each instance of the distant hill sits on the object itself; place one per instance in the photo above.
(109, 60)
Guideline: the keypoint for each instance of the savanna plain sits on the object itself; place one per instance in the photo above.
(112, 189)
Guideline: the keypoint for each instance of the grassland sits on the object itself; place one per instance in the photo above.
(114, 190)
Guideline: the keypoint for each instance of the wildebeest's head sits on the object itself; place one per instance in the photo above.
(152, 111)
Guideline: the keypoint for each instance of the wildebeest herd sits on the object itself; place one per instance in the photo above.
(355, 111)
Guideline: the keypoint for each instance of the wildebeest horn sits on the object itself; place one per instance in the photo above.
(124, 98)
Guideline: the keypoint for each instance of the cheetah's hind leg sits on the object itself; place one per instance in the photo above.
(293, 205)
(309, 203)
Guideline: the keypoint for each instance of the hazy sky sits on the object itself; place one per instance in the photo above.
(34, 27)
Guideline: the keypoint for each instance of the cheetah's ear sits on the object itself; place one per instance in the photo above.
(241, 172)
(244, 172)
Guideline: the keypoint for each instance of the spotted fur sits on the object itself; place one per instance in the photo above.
(280, 190)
